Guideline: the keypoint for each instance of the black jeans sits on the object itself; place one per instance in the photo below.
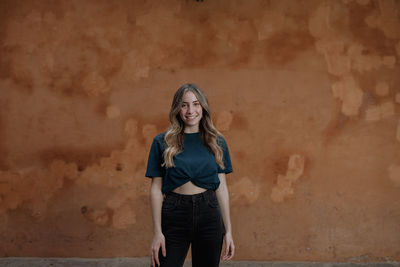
(192, 219)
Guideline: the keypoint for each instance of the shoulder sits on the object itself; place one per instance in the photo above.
(221, 141)
(159, 139)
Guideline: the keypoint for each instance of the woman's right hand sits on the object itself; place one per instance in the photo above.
(158, 241)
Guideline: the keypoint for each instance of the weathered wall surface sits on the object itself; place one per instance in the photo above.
(307, 94)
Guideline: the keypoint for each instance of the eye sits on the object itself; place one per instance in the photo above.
(197, 104)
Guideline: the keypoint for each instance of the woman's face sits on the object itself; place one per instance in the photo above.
(191, 112)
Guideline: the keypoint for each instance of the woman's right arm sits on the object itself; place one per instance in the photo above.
(156, 199)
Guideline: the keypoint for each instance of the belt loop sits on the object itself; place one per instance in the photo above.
(212, 194)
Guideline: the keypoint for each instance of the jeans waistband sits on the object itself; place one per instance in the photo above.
(205, 195)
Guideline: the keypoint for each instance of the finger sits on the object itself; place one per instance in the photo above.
(156, 258)
(226, 250)
(163, 250)
(231, 251)
(152, 259)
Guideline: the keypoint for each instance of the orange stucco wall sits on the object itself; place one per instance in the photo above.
(307, 94)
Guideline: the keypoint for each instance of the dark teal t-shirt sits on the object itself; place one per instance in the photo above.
(196, 163)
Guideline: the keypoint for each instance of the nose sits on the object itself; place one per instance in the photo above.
(189, 109)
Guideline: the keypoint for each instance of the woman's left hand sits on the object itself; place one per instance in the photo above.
(229, 247)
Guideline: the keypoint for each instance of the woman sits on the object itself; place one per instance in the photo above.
(187, 164)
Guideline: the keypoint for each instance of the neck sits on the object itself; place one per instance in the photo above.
(191, 130)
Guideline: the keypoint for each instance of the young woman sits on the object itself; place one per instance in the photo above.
(189, 195)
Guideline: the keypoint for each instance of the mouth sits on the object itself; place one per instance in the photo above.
(190, 117)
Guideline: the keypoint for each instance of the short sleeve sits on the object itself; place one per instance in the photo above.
(154, 168)
(226, 159)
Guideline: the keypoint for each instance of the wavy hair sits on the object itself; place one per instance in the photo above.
(175, 132)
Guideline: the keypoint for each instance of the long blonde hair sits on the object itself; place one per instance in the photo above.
(175, 133)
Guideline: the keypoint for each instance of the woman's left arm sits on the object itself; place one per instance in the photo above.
(223, 200)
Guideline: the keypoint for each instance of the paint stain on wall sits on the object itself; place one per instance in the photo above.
(385, 19)
(244, 189)
(98, 216)
(378, 112)
(284, 185)
(35, 186)
(348, 91)
(283, 46)
(224, 120)
(94, 84)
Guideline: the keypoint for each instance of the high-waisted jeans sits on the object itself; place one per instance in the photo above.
(196, 220)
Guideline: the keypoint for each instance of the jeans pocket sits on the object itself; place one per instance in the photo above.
(169, 204)
(213, 202)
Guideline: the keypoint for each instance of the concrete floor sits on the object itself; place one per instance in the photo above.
(145, 262)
